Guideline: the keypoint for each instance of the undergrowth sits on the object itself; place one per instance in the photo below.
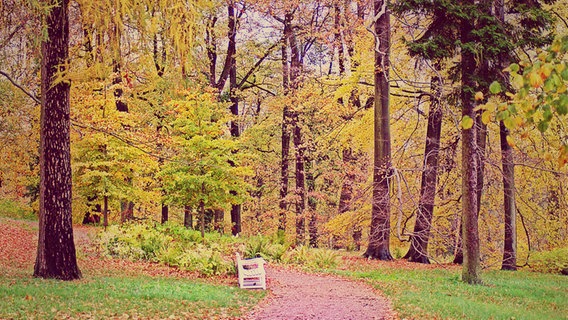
(16, 210)
(176, 246)
(549, 261)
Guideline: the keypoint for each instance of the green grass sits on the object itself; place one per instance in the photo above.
(138, 297)
(439, 294)
(15, 210)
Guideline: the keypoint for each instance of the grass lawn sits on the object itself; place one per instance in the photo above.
(431, 292)
(138, 297)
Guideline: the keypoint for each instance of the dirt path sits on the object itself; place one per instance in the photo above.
(295, 295)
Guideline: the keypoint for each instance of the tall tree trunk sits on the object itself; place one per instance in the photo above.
(298, 139)
(56, 256)
(117, 69)
(187, 217)
(418, 251)
(211, 46)
(165, 213)
(202, 218)
(286, 126)
(312, 203)
(510, 247)
(257, 195)
(337, 39)
(509, 207)
(119, 102)
(470, 165)
(284, 168)
(126, 211)
(380, 219)
(219, 216)
(235, 130)
(105, 211)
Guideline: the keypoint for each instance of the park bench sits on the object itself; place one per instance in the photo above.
(251, 273)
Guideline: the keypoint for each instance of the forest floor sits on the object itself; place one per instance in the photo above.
(292, 294)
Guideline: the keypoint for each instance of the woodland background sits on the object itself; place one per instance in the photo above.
(178, 111)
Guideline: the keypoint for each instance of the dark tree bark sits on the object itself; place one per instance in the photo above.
(284, 168)
(105, 211)
(380, 219)
(202, 217)
(470, 165)
(298, 139)
(418, 251)
(312, 203)
(510, 247)
(56, 256)
(219, 216)
(286, 126)
(117, 69)
(165, 213)
(509, 207)
(235, 130)
(211, 46)
(187, 217)
(126, 211)
(300, 183)
(236, 221)
(338, 43)
(160, 56)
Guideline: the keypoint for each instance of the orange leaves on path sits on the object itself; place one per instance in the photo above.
(18, 243)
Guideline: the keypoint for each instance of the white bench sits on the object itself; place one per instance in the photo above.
(251, 273)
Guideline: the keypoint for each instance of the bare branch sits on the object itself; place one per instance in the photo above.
(34, 98)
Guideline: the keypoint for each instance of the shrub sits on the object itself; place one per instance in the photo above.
(16, 210)
(299, 255)
(324, 258)
(267, 248)
(312, 258)
(549, 261)
(170, 244)
(205, 261)
(257, 247)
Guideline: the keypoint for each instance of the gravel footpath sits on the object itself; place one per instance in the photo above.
(295, 295)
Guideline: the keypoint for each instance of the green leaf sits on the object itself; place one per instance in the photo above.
(562, 105)
(547, 115)
(502, 115)
(514, 67)
(467, 122)
(549, 85)
(509, 123)
(517, 81)
(542, 126)
(565, 74)
(486, 117)
(495, 87)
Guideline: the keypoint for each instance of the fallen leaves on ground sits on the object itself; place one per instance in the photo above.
(18, 246)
